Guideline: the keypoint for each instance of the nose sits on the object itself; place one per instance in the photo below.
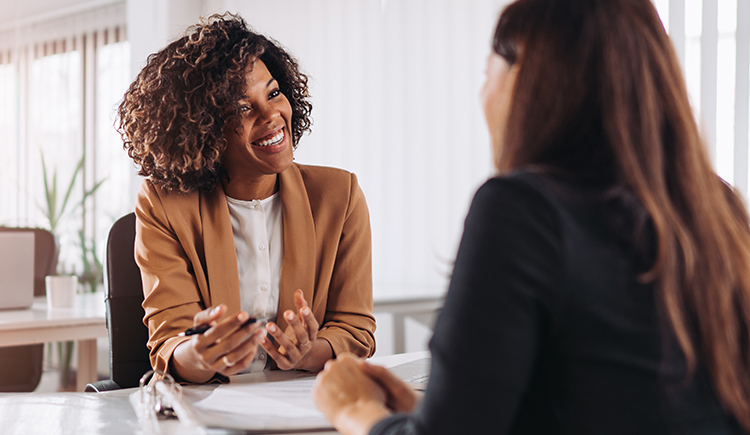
(267, 112)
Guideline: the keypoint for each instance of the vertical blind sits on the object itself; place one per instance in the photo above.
(712, 39)
(57, 73)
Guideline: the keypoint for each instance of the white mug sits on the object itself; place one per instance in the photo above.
(61, 290)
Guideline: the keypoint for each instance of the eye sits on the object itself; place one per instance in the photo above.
(245, 108)
(275, 93)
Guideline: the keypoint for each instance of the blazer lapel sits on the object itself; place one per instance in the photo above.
(221, 257)
(298, 265)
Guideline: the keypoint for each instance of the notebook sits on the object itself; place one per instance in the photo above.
(16, 269)
(415, 373)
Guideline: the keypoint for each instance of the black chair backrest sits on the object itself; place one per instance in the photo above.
(128, 354)
(45, 255)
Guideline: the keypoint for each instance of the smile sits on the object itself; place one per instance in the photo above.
(273, 140)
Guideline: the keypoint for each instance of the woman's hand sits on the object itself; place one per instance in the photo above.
(399, 396)
(303, 351)
(226, 347)
(351, 400)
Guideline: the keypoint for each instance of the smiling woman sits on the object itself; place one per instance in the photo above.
(228, 226)
(258, 144)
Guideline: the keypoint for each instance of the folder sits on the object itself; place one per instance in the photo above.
(265, 402)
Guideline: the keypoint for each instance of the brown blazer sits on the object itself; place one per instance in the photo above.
(185, 250)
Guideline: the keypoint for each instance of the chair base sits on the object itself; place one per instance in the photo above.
(99, 386)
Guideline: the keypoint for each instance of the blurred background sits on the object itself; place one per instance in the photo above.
(394, 88)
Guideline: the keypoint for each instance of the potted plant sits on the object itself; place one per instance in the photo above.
(55, 208)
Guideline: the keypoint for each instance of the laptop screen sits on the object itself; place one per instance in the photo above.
(16, 269)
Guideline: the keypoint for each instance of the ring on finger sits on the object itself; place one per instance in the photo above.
(226, 362)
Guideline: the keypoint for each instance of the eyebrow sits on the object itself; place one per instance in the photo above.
(267, 85)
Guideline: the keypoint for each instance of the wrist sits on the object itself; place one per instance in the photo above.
(359, 417)
(186, 364)
(320, 352)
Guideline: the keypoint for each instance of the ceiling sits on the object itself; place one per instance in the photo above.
(24, 11)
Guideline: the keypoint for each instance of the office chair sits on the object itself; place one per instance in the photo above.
(21, 366)
(128, 354)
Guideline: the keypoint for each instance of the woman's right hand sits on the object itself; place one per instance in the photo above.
(226, 347)
(399, 396)
(349, 398)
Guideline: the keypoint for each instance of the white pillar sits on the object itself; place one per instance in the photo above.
(742, 98)
(152, 24)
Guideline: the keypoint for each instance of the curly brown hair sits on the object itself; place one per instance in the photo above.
(173, 115)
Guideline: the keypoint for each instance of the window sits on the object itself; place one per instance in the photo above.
(9, 175)
(712, 40)
(60, 80)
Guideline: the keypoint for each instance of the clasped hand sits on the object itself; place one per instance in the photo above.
(354, 395)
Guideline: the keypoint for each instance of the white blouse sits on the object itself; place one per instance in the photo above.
(258, 231)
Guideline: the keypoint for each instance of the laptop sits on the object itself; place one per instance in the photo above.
(16, 269)
(415, 373)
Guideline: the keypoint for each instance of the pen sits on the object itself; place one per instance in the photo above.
(200, 329)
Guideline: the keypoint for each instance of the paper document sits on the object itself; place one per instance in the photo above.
(259, 402)
(282, 399)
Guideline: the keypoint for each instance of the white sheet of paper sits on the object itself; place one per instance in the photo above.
(284, 399)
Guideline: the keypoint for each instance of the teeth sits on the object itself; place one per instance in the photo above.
(275, 140)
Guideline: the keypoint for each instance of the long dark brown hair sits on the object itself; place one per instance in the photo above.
(172, 117)
(600, 95)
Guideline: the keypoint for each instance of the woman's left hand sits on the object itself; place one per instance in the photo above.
(350, 399)
(304, 350)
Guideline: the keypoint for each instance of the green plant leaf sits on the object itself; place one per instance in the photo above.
(70, 186)
(55, 209)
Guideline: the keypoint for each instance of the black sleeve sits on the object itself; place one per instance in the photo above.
(500, 298)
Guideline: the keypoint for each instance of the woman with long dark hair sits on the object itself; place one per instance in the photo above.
(602, 284)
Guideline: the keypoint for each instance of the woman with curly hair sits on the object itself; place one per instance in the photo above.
(228, 227)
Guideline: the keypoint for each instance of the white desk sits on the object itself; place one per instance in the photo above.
(85, 322)
(108, 412)
(422, 308)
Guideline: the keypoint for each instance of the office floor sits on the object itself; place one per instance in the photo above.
(50, 382)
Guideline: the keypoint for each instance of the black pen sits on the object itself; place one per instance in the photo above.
(200, 329)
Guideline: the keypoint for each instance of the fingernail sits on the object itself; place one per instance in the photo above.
(215, 311)
(243, 316)
(271, 328)
(289, 315)
(305, 311)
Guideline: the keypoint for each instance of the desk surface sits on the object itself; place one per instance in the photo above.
(108, 413)
(86, 320)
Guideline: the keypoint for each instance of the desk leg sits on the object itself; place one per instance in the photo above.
(399, 333)
(86, 363)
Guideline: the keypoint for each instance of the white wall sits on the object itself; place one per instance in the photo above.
(395, 85)
(395, 94)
